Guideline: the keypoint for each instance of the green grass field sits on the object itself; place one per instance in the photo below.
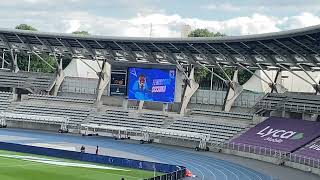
(24, 167)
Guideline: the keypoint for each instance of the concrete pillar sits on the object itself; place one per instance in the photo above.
(191, 87)
(278, 87)
(104, 79)
(165, 107)
(60, 75)
(307, 116)
(125, 103)
(14, 67)
(233, 93)
(141, 103)
(285, 114)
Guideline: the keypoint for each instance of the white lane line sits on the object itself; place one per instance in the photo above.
(59, 162)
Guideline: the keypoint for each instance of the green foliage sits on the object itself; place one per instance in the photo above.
(203, 76)
(244, 76)
(204, 33)
(36, 64)
(25, 27)
(84, 33)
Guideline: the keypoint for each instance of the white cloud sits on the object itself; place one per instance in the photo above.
(222, 7)
(163, 25)
(303, 20)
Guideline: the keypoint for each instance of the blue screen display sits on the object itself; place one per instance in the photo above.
(152, 84)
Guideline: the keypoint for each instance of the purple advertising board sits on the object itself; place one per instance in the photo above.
(281, 134)
(311, 150)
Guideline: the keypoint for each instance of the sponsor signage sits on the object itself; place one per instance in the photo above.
(312, 150)
(281, 134)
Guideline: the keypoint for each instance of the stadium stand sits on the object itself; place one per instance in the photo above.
(274, 133)
(35, 82)
(236, 115)
(292, 102)
(219, 131)
(60, 98)
(35, 118)
(5, 99)
(312, 150)
(285, 139)
(124, 118)
(75, 114)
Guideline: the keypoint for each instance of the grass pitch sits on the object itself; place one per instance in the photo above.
(20, 166)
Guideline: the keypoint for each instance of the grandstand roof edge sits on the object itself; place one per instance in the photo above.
(255, 37)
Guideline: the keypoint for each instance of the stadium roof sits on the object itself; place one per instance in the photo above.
(294, 49)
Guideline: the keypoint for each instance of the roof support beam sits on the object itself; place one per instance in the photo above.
(126, 50)
(291, 61)
(3, 60)
(302, 44)
(42, 59)
(271, 60)
(295, 51)
(170, 57)
(213, 60)
(149, 54)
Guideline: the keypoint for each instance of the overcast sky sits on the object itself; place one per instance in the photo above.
(133, 17)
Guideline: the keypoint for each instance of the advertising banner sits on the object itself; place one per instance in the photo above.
(312, 150)
(281, 134)
(152, 84)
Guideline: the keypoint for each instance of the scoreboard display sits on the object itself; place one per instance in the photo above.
(118, 83)
(157, 85)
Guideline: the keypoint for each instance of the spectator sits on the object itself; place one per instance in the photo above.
(83, 149)
(97, 150)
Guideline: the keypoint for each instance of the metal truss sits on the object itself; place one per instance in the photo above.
(297, 49)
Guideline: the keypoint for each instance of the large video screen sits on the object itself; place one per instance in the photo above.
(152, 84)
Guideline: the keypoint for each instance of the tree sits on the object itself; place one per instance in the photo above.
(84, 33)
(36, 64)
(25, 27)
(202, 75)
(204, 33)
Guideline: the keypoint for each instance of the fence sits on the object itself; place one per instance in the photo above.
(171, 172)
(296, 158)
(283, 155)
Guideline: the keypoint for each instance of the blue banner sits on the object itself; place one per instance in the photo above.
(114, 161)
(152, 84)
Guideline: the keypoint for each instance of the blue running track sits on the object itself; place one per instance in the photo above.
(204, 167)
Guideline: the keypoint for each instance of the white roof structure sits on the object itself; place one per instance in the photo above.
(291, 82)
(80, 68)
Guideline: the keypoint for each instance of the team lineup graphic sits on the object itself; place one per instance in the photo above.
(152, 84)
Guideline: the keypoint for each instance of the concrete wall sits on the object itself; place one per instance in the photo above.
(28, 125)
(302, 167)
(272, 160)
(216, 98)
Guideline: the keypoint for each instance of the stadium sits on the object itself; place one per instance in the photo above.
(130, 108)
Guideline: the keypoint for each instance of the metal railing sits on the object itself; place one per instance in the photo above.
(176, 175)
(269, 152)
(309, 161)
(255, 150)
